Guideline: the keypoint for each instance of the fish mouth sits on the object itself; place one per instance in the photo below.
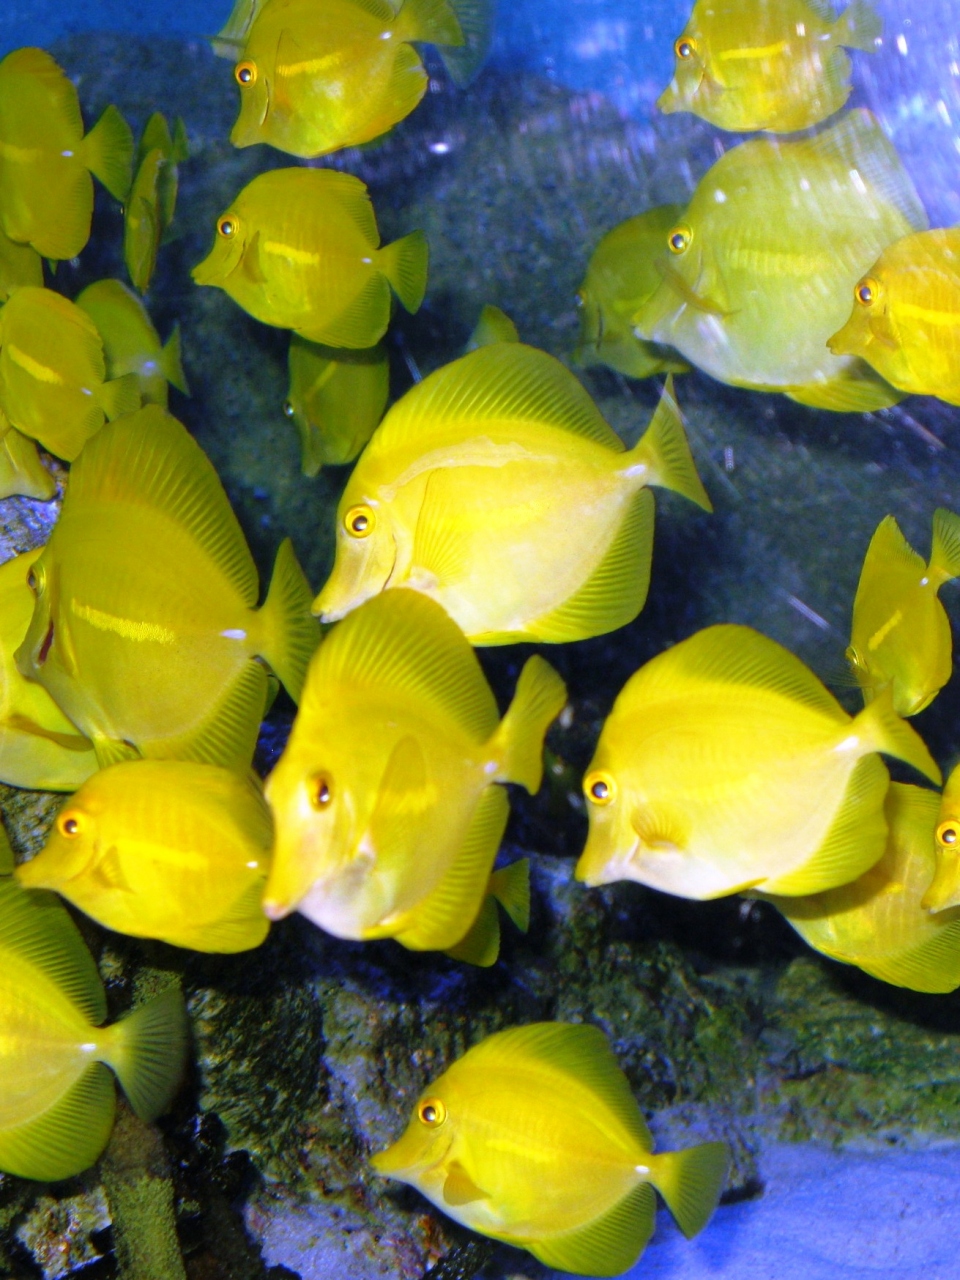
(205, 272)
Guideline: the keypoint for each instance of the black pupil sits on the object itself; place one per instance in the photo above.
(866, 293)
(245, 75)
(950, 835)
(323, 793)
(685, 50)
(600, 790)
(677, 240)
(32, 580)
(360, 523)
(288, 408)
(429, 1114)
(70, 826)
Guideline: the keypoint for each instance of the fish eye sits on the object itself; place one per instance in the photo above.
(34, 579)
(432, 1112)
(948, 834)
(228, 226)
(580, 300)
(867, 292)
(360, 521)
(287, 409)
(685, 48)
(679, 239)
(852, 655)
(599, 787)
(68, 824)
(246, 74)
(321, 790)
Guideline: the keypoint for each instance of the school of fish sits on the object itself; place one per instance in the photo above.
(490, 504)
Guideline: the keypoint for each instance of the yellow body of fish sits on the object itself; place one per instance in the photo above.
(901, 634)
(145, 629)
(298, 248)
(726, 765)
(880, 922)
(130, 342)
(166, 849)
(906, 315)
(388, 816)
(57, 1098)
(944, 889)
(39, 748)
(336, 398)
(758, 272)
(21, 471)
(496, 487)
(149, 207)
(752, 64)
(53, 375)
(46, 192)
(621, 275)
(533, 1137)
(19, 265)
(317, 77)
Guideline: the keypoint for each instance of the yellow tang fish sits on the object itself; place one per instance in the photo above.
(130, 342)
(906, 315)
(145, 629)
(299, 249)
(757, 273)
(39, 748)
(149, 207)
(726, 765)
(166, 849)
(317, 77)
(533, 1137)
(621, 275)
(19, 265)
(46, 192)
(53, 375)
(336, 398)
(752, 64)
(496, 487)
(57, 1098)
(232, 36)
(21, 471)
(387, 809)
(943, 891)
(880, 922)
(901, 634)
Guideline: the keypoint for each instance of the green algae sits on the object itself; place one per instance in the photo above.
(136, 1179)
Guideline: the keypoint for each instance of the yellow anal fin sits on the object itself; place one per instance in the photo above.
(617, 589)
(933, 967)
(243, 927)
(361, 323)
(610, 1245)
(229, 735)
(481, 945)
(855, 841)
(436, 923)
(847, 395)
(69, 1136)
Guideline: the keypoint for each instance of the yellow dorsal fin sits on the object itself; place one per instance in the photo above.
(352, 195)
(579, 1051)
(505, 382)
(493, 325)
(859, 142)
(36, 928)
(403, 643)
(149, 459)
(733, 655)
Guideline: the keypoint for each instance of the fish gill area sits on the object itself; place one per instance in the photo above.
(309, 1050)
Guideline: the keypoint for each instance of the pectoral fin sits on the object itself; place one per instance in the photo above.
(460, 1188)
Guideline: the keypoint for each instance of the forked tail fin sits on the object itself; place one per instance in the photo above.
(690, 1182)
(404, 263)
(518, 741)
(664, 451)
(291, 631)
